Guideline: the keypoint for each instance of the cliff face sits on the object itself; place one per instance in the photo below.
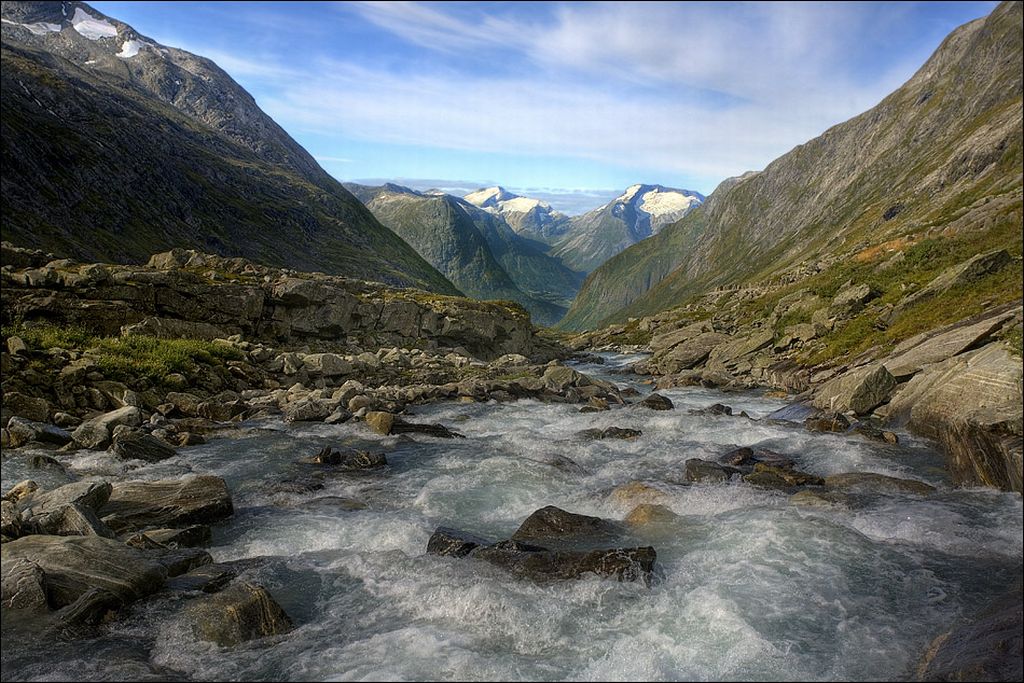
(115, 147)
(939, 158)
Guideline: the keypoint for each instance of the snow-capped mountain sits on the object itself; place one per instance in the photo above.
(529, 217)
(636, 214)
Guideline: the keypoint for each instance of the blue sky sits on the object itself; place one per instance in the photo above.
(569, 101)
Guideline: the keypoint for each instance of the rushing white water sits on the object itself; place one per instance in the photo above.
(747, 585)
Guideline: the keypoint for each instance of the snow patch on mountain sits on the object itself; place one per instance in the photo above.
(130, 48)
(90, 27)
(658, 203)
(38, 28)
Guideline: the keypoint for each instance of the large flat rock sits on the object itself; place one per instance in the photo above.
(168, 503)
(73, 565)
(943, 345)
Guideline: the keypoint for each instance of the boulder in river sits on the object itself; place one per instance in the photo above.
(137, 445)
(540, 564)
(988, 647)
(648, 514)
(454, 543)
(880, 483)
(707, 472)
(195, 499)
(348, 458)
(657, 402)
(239, 613)
(552, 525)
(72, 565)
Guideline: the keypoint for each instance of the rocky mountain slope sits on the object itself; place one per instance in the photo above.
(475, 249)
(115, 147)
(531, 218)
(930, 175)
(638, 213)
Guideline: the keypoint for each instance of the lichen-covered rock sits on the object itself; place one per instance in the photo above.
(650, 514)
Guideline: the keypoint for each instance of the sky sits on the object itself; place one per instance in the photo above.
(568, 102)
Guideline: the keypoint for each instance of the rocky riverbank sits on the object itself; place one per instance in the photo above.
(958, 384)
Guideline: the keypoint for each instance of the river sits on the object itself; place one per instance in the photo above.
(747, 585)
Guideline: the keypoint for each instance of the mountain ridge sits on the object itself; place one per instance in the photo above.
(187, 146)
(944, 145)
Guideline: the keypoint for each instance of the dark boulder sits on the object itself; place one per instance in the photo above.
(136, 445)
(657, 402)
(553, 526)
(454, 543)
(707, 472)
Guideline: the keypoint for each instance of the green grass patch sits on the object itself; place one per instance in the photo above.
(128, 357)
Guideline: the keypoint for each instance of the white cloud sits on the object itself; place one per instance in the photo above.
(682, 88)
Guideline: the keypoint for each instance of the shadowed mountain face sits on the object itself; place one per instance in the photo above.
(475, 249)
(938, 159)
(116, 147)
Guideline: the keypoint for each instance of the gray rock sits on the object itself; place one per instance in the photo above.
(22, 586)
(309, 410)
(27, 407)
(10, 521)
(137, 445)
(540, 564)
(194, 536)
(89, 494)
(72, 565)
(871, 482)
(860, 390)
(195, 499)
(972, 404)
(23, 431)
(942, 345)
(96, 433)
(987, 647)
(851, 300)
(237, 614)
(74, 519)
(827, 421)
(326, 364)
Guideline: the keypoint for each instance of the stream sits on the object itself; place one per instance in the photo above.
(746, 586)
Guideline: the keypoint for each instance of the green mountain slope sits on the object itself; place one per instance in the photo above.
(939, 160)
(476, 250)
(115, 147)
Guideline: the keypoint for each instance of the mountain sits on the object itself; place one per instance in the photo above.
(116, 147)
(531, 218)
(475, 249)
(638, 213)
(930, 175)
